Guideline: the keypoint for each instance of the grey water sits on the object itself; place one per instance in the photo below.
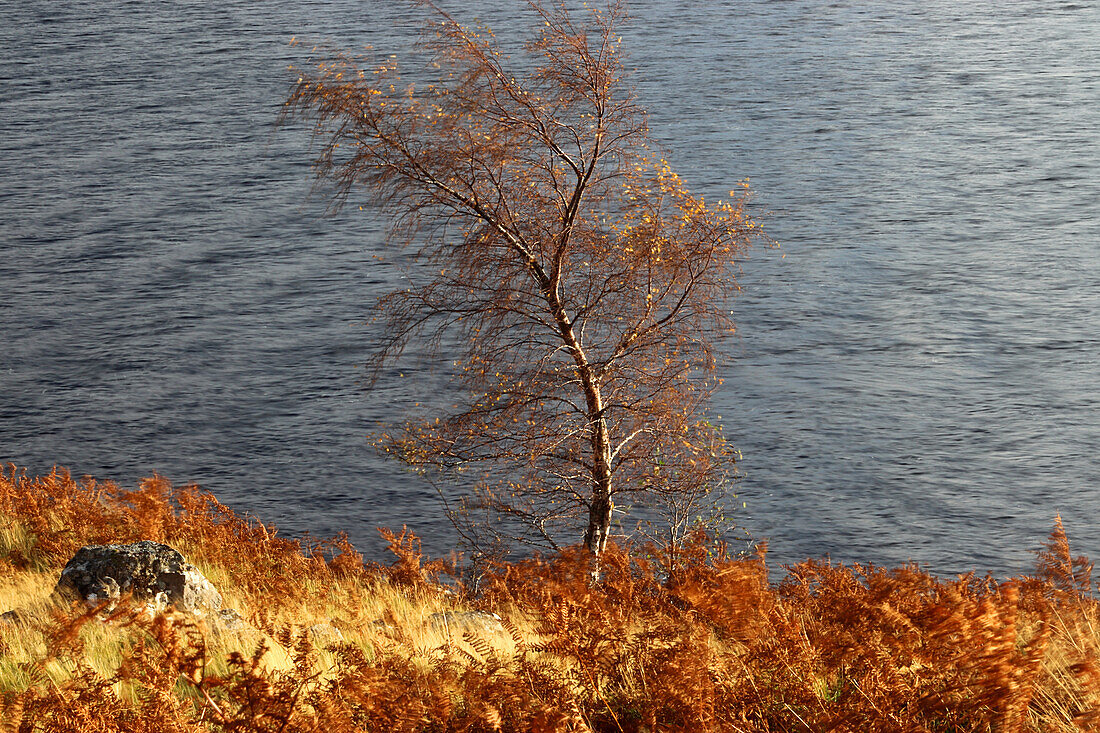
(917, 371)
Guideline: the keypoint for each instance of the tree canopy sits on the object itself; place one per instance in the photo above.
(587, 290)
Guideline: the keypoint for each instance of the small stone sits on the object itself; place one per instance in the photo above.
(228, 619)
(11, 617)
(324, 633)
(384, 628)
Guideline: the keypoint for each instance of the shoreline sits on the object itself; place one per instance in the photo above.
(696, 642)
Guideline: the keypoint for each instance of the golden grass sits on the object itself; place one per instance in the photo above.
(699, 642)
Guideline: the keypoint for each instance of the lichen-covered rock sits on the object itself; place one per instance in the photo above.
(103, 590)
(228, 620)
(148, 571)
(324, 634)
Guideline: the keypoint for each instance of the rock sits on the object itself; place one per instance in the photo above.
(324, 634)
(149, 571)
(104, 590)
(477, 621)
(12, 617)
(384, 628)
(228, 619)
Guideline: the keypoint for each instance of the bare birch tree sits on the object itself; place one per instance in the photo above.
(587, 288)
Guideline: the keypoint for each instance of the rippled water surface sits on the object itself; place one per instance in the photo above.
(916, 375)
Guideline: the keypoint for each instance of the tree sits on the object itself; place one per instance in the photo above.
(586, 288)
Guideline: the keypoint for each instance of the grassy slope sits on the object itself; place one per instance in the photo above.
(715, 648)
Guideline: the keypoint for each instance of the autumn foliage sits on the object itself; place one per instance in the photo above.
(702, 642)
(584, 290)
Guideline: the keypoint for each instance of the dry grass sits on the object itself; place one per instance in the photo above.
(699, 643)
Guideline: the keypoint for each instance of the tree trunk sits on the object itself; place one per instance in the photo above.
(599, 510)
(599, 520)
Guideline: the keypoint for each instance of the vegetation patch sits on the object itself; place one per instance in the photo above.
(698, 640)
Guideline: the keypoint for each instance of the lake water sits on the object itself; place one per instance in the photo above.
(917, 374)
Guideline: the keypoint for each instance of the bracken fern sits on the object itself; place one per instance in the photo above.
(696, 640)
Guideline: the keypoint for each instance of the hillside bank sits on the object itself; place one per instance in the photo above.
(699, 641)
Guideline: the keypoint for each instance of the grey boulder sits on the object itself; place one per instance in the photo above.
(149, 571)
